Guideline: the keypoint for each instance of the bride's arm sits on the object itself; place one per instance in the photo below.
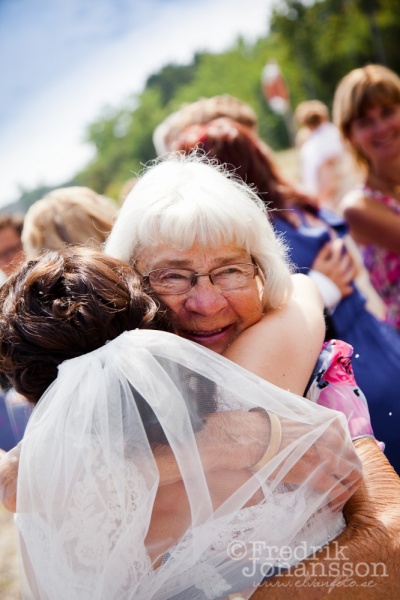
(284, 346)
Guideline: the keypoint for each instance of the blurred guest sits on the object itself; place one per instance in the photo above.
(68, 216)
(367, 111)
(11, 252)
(325, 168)
(14, 412)
(202, 111)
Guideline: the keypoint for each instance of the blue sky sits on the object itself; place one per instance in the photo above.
(62, 61)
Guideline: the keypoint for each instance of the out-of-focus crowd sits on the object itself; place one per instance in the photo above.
(339, 222)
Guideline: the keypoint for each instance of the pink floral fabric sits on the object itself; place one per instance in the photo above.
(384, 266)
(335, 387)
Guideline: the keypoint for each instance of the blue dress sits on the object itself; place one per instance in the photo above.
(13, 419)
(376, 359)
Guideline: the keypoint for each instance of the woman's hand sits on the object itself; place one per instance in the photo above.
(371, 538)
(229, 440)
(330, 464)
(335, 262)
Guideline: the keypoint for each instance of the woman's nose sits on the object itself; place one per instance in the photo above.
(205, 298)
(379, 125)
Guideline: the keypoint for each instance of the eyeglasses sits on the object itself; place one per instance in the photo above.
(180, 281)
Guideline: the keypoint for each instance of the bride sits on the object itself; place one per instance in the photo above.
(153, 467)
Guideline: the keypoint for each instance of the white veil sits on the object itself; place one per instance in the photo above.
(99, 518)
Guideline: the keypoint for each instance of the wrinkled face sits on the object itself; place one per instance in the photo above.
(206, 314)
(377, 133)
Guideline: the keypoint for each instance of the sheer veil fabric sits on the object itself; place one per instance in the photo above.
(98, 521)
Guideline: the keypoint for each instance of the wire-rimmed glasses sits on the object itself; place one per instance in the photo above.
(180, 281)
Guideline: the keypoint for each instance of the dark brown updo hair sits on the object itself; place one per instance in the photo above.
(65, 304)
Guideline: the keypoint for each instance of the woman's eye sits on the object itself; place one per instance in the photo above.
(228, 271)
(173, 276)
(363, 122)
(388, 111)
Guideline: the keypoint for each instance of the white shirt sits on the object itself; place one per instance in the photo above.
(322, 144)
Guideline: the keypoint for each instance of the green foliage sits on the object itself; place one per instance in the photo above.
(123, 138)
(329, 38)
(315, 45)
(169, 79)
(123, 141)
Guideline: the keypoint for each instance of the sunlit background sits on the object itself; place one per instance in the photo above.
(61, 61)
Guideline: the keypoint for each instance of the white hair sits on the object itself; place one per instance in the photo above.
(186, 199)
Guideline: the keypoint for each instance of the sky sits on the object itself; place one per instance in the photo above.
(63, 61)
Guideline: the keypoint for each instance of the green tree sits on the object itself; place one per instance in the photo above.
(315, 45)
(326, 40)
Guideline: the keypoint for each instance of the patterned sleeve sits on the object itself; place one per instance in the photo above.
(333, 385)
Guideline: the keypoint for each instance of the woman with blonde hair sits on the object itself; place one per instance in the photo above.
(70, 215)
(366, 109)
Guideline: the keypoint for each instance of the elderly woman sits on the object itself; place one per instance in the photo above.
(217, 294)
(366, 109)
(121, 494)
(185, 226)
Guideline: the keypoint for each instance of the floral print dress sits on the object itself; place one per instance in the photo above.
(384, 265)
(332, 384)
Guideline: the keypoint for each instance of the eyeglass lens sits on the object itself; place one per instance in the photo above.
(179, 281)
